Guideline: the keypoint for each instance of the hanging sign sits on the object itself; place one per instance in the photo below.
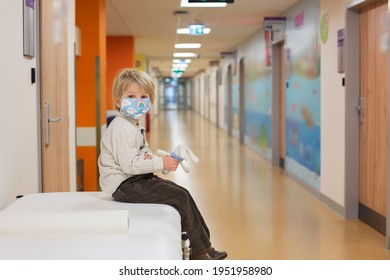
(274, 23)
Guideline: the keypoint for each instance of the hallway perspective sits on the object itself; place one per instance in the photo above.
(253, 210)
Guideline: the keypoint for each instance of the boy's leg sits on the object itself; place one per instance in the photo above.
(152, 189)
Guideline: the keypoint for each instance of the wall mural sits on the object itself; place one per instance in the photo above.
(303, 144)
(258, 95)
(303, 131)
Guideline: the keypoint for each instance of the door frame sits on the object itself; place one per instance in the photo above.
(242, 101)
(71, 94)
(276, 129)
(229, 101)
(352, 125)
(38, 83)
(217, 81)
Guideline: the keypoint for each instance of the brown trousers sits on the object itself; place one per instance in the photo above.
(149, 188)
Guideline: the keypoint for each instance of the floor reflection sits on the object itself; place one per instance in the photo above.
(253, 210)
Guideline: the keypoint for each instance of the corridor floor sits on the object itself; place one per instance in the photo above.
(253, 210)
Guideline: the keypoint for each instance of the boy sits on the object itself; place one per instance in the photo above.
(126, 164)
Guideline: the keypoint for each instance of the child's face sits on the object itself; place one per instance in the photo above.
(133, 91)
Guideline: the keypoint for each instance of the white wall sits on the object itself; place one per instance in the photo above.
(196, 97)
(201, 97)
(223, 91)
(18, 109)
(332, 107)
(212, 73)
(221, 106)
(19, 144)
(206, 94)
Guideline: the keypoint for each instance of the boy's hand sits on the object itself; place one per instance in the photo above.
(148, 156)
(170, 163)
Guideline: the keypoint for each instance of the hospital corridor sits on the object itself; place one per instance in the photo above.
(253, 210)
(285, 103)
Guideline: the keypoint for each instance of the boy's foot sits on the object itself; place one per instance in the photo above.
(217, 255)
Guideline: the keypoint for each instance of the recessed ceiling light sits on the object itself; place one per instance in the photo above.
(185, 54)
(188, 46)
(174, 68)
(179, 65)
(187, 61)
(184, 3)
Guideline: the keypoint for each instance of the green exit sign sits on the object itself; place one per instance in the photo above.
(211, 1)
(196, 29)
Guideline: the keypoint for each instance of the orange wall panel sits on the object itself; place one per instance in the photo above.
(87, 19)
(91, 20)
(120, 54)
(88, 154)
(86, 82)
(103, 61)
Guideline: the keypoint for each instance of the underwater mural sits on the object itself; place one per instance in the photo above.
(302, 43)
(258, 95)
(303, 96)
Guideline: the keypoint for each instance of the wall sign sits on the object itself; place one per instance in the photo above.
(325, 28)
(28, 28)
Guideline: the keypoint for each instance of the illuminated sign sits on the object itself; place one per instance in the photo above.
(196, 29)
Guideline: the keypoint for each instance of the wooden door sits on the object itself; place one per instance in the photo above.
(374, 115)
(282, 104)
(54, 95)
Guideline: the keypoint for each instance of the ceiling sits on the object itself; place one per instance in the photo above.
(153, 24)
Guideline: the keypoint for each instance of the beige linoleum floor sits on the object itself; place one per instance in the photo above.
(252, 209)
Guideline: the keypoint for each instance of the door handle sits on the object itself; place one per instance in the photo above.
(48, 120)
(359, 109)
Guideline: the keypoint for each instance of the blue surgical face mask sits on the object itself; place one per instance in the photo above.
(135, 107)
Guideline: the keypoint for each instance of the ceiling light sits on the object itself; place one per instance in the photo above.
(181, 70)
(187, 46)
(184, 3)
(182, 61)
(182, 64)
(179, 66)
(183, 54)
(186, 30)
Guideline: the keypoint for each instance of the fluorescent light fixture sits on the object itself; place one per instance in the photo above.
(179, 69)
(186, 30)
(188, 46)
(179, 66)
(184, 3)
(185, 54)
(187, 61)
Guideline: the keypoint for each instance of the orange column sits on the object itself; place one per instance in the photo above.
(90, 86)
(120, 54)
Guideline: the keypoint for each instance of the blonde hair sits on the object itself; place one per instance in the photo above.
(126, 77)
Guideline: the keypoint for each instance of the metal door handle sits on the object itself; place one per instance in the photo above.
(54, 120)
(48, 120)
(360, 111)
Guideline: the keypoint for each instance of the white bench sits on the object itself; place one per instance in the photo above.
(88, 225)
